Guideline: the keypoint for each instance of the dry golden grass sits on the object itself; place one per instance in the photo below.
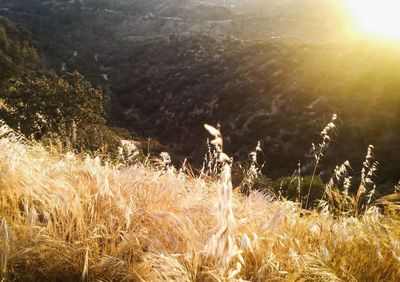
(64, 218)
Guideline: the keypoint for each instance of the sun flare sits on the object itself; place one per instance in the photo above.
(377, 18)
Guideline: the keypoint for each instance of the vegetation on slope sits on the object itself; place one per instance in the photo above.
(68, 216)
(165, 81)
(69, 108)
(17, 56)
(273, 91)
(43, 105)
(64, 217)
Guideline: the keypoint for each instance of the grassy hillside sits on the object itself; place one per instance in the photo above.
(164, 81)
(65, 217)
(79, 203)
(166, 77)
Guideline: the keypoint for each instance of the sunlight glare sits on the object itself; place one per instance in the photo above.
(378, 18)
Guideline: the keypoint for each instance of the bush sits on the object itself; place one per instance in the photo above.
(68, 108)
(291, 189)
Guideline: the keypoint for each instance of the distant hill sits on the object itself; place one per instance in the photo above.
(273, 71)
(302, 19)
(281, 93)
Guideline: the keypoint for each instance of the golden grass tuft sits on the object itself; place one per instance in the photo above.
(66, 218)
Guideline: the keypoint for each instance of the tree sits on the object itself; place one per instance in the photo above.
(68, 107)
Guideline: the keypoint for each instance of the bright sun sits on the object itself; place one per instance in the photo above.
(378, 18)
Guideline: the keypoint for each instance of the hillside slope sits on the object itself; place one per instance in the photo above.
(168, 69)
(281, 93)
(66, 218)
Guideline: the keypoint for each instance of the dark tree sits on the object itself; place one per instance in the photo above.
(67, 107)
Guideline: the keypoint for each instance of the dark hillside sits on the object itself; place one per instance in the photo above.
(169, 69)
(17, 55)
(281, 93)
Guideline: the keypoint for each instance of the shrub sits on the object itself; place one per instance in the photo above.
(68, 108)
(289, 188)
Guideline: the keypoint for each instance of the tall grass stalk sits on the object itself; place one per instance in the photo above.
(367, 186)
(222, 243)
(253, 171)
(319, 150)
(5, 249)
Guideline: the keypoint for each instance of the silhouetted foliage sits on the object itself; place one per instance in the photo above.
(68, 107)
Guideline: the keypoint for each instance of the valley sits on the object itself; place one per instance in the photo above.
(266, 71)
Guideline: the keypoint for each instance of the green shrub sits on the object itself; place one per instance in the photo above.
(293, 189)
(66, 108)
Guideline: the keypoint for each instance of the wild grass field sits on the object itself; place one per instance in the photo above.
(67, 217)
(101, 143)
